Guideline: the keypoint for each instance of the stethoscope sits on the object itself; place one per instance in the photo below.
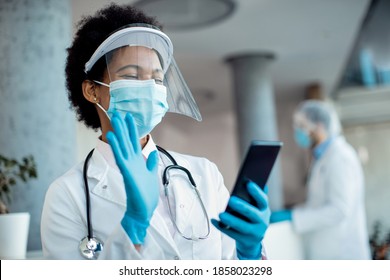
(90, 246)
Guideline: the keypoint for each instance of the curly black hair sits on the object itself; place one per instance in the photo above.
(92, 31)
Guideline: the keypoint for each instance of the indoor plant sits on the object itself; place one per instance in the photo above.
(13, 226)
(380, 243)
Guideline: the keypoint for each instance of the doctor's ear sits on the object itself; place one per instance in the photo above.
(90, 91)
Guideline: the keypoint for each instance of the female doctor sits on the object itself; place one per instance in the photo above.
(131, 199)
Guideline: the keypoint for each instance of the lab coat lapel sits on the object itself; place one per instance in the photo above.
(101, 170)
(101, 173)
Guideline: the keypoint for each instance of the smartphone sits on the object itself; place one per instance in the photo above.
(256, 167)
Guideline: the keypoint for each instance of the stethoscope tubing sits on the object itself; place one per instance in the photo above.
(87, 197)
(192, 181)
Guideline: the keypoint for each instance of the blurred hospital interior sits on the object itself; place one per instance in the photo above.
(248, 63)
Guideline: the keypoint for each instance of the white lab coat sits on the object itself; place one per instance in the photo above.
(64, 222)
(332, 220)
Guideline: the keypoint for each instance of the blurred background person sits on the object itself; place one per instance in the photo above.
(332, 221)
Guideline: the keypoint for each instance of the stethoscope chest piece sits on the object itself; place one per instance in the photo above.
(90, 248)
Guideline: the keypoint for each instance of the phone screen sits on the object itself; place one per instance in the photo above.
(257, 166)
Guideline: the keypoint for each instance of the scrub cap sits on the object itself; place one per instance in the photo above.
(320, 112)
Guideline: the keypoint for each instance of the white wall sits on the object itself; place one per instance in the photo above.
(86, 140)
(372, 143)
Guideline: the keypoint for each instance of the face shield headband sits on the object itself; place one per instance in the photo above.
(145, 48)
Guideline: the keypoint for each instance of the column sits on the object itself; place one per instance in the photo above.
(255, 109)
(35, 118)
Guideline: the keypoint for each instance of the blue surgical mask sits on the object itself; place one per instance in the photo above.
(145, 100)
(302, 138)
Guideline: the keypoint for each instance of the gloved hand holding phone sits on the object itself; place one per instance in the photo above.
(248, 232)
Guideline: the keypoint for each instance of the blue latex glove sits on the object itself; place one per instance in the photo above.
(140, 177)
(280, 216)
(248, 235)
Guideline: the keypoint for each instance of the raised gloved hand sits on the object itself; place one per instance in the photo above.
(248, 234)
(140, 177)
(280, 216)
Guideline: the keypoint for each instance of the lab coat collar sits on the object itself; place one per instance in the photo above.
(99, 173)
(97, 166)
(149, 147)
(106, 151)
(320, 149)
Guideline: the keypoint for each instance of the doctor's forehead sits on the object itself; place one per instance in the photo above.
(134, 55)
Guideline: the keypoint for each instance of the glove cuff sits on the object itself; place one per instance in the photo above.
(136, 230)
(249, 254)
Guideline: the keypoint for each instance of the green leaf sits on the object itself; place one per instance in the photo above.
(12, 181)
(11, 171)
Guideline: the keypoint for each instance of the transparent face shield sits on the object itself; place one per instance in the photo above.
(144, 53)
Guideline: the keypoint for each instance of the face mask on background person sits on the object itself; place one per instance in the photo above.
(145, 100)
(302, 138)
